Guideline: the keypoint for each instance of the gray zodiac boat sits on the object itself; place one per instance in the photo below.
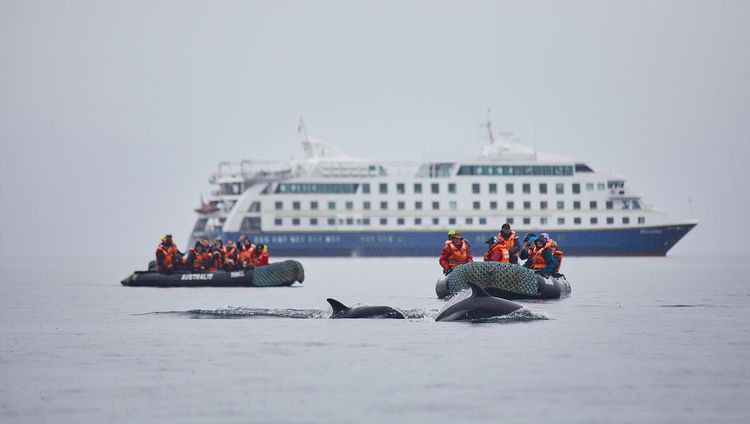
(508, 281)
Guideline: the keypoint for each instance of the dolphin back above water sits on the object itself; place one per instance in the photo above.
(479, 306)
(342, 311)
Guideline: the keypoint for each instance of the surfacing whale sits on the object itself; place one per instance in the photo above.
(342, 311)
(479, 306)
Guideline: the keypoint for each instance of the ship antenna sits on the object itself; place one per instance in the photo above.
(301, 128)
(488, 124)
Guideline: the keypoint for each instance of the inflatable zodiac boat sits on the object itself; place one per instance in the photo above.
(498, 279)
(276, 274)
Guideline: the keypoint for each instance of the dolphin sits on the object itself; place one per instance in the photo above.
(479, 306)
(342, 311)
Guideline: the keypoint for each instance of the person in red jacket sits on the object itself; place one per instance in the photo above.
(168, 256)
(260, 256)
(496, 250)
(456, 251)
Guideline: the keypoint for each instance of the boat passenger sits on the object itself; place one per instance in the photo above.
(215, 261)
(542, 261)
(229, 264)
(229, 251)
(260, 255)
(495, 251)
(512, 245)
(245, 256)
(168, 256)
(195, 261)
(527, 249)
(558, 255)
(456, 251)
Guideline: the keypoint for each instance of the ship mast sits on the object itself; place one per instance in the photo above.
(301, 128)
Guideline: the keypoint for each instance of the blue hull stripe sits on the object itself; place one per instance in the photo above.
(642, 241)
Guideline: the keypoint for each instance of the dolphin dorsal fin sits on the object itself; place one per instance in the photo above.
(336, 305)
(477, 291)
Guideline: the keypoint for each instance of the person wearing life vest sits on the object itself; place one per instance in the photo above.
(215, 261)
(495, 251)
(168, 256)
(229, 251)
(260, 255)
(527, 249)
(245, 255)
(195, 261)
(456, 251)
(558, 255)
(542, 261)
(508, 238)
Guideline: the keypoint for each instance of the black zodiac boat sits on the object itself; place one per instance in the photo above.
(498, 279)
(276, 274)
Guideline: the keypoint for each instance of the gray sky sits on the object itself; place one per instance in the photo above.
(113, 114)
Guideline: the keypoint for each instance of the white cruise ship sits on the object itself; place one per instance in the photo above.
(330, 204)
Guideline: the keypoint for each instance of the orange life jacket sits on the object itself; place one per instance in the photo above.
(507, 245)
(245, 257)
(260, 258)
(457, 256)
(165, 258)
(558, 259)
(538, 261)
(503, 252)
(198, 262)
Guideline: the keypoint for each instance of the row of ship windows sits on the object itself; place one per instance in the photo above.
(476, 188)
(452, 205)
(450, 221)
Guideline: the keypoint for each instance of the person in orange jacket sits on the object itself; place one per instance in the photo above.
(195, 261)
(260, 255)
(509, 239)
(456, 251)
(168, 256)
(245, 255)
(495, 250)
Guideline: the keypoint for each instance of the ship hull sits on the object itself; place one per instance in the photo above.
(641, 241)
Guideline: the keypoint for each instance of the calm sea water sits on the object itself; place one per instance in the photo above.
(639, 339)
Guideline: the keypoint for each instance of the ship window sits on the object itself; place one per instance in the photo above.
(641, 219)
(582, 167)
(576, 205)
(366, 205)
(576, 220)
(383, 206)
(543, 188)
(610, 220)
(510, 221)
(296, 206)
(331, 221)
(469, 221)
(615, 184)
(295, 221)
(509, 188)
(493, 188)
(278, 221)
(200, 225)
(559, 188)
(383, 188)
(435, 187)
(435, 221)
(493, 205)
(366, 188)
(592, 205)
(576, 188)
(482, 221)
(417, 221)
(383, 221)
(313, 221)
(349, 205)
(341, 221)
(625, 204)
(476, 206)
(625, 220)
(279, 206)
(316, 188)
(560, 205)
(527, 205)
(526, 221)
(452, 188)
(401, 206)
(314, 205)
(589, 186)
(349, 221)
(451, 221)
(600, 186)
(509, 205)
(560, 221)
(365, 221)
(543, 220)
(417, 188)
(331, 206)
(475, 188)
(636, 205)
(435, 206)
(526, 188)
(610, 204)
(452, 205)
(250, 224)
(418, 206)
(594, 220)
(516, 170)
(400, 188)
